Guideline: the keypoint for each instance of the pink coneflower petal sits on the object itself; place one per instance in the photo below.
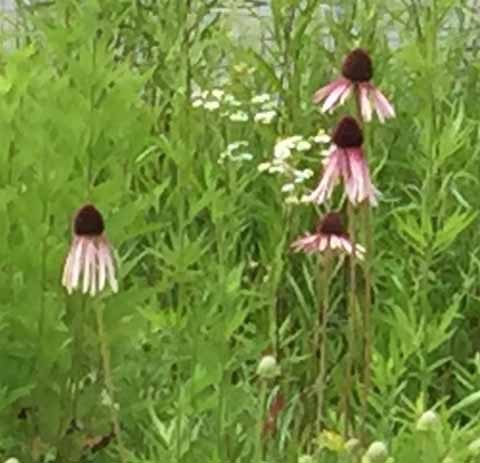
(383, 107)
(336, 96)
(329, 235)
(90, 257)
(325, 91)
(365, 104)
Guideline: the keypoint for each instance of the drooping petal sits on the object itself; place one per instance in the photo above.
(335, 96)
(89, 253)
(78, 249)
(110, 267)
(329, 178)
(383, 107)
(325, 91)
(365, 104)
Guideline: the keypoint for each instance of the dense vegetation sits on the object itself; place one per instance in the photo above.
(167, 115)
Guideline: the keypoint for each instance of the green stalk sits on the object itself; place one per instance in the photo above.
(353, 327)
(105, 354)
(324, 295)
(260, 420)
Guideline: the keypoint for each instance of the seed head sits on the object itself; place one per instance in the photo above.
(88, 221)
(357, 66)
(331, 224)
(348, 133)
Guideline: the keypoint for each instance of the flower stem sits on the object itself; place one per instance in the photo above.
(260, 419)
(105, 354)
(353, 328)
(323, 293)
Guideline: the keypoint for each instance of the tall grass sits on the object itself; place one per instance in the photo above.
(102, 101)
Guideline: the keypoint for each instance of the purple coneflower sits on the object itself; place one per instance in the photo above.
(357, 71)
(90, 254)
(346, 160)
(329, 234)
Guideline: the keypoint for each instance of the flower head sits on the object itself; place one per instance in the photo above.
(90, 254)
(330, 234)
(268, 367)
(346, 161)
(427, 421)
(357, 72)
(376, 453)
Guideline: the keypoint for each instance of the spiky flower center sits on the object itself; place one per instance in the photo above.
(348, 133)
(358, 66)
(88, 221)
(331, 224)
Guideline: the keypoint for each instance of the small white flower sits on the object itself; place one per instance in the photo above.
(12, 460)
(267, 367)
(217, 93)
(303, 146)
(211, 105)
(277, 169)
(305, 199)
(196, 94)
(262, 167)
(245, 156)
(197, 103)
(427, 421)
(288, 187)
(260, 99)
(265, 117)
(239, 116)
(321, 137)
(235, 145)
(292, 200)
(204, 94)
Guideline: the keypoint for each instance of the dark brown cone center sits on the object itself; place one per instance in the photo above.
(348, 133)
(331, 224)
(88, 221)
(358, 66)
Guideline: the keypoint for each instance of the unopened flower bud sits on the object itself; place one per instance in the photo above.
(305, 459)
(352, 445)
(474, 448)
(427, 421)
(376, 453)
(268, 368)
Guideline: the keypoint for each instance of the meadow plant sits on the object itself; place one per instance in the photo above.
(200, 145)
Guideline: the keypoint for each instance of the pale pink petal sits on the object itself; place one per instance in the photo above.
(93, 273)
(329, 178)
(67, 272)
(335, 96)
(78, 257)
(89, 254)
(325, 91)
(110, 268)
(323, 243)
(346, 245)
(102, 270)
(383, 107)
(365, 104)
(335, 242)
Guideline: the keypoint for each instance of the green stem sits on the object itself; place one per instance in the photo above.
(105, 354)
(353, 327)
(260, 421)
(324, 296)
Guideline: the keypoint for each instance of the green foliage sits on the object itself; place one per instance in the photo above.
(98, 103)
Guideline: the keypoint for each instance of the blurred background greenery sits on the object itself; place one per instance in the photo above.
(139, 106)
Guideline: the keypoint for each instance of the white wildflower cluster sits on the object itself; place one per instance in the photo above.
(236, 152)
(262, 106)
(285, 164)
